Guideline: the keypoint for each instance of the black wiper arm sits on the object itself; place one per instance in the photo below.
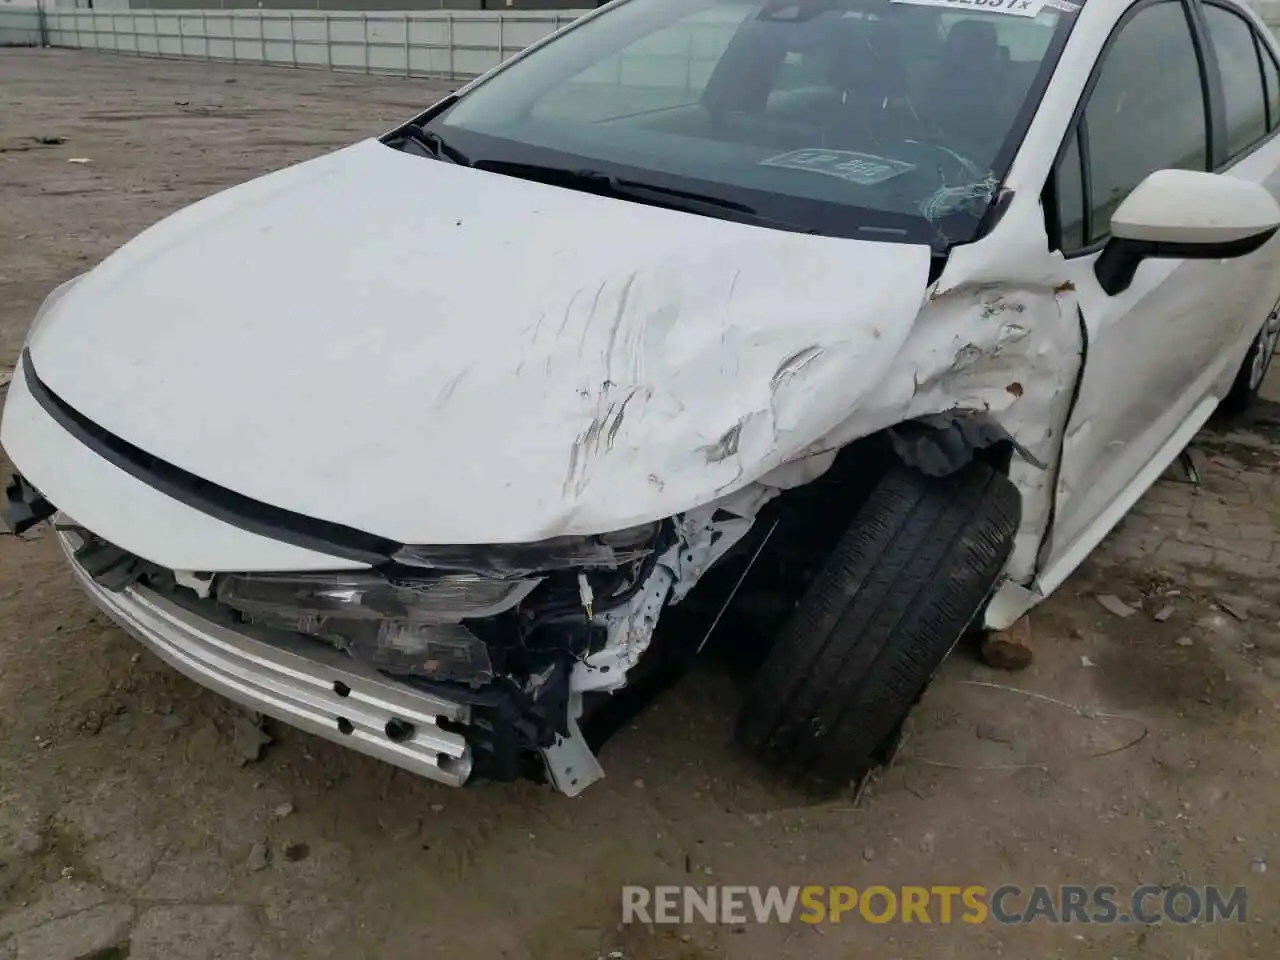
(596, 181)
(620, 186)
(435, 143)
(694, 202)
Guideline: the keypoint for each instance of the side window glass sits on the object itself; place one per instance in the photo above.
(1242, 83)
(1271, 76)
(1147, 111)
(1070, 195)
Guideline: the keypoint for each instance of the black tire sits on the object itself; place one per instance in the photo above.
(903, 584)
(1253, 372)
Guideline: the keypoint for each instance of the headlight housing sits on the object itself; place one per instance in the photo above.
(599, 551)
(404, 625)
(367, 596)
(409, 616)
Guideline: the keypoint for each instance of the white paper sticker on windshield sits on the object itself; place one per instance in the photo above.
(860, 168)
(1018, 8)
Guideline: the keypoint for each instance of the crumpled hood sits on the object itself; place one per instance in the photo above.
(439, 355)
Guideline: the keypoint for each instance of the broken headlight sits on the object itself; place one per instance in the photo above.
(409, 626)
(368, 596)
(605, 550)
(411, 618)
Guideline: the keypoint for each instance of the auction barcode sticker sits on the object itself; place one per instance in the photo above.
(1018, 8)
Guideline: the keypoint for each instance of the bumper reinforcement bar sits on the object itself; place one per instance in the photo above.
(313, 688)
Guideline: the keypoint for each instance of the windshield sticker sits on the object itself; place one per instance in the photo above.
(1018, 8)
(860, 168)
(1066, 6)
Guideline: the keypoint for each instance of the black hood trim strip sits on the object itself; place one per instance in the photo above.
(276, 523)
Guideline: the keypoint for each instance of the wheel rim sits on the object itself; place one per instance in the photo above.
(1266, 348)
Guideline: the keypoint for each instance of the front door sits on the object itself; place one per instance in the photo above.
(1157, 352)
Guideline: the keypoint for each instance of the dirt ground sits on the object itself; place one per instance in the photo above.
(130, 827)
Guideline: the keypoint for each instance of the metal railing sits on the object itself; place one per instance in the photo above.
(446, 44)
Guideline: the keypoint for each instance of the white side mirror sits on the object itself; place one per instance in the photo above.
(1186, 214)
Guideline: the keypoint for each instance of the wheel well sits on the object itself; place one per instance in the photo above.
(941, 444)
(800, 528)
(998, 455)
(798, 531)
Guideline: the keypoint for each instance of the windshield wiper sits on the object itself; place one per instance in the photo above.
(596, 181)
(435, 143)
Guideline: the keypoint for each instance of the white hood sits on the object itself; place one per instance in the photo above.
(440, 355)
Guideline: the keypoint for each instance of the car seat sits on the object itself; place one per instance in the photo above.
(868, 77)
(968, 98)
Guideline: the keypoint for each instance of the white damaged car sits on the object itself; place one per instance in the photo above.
(895, 305)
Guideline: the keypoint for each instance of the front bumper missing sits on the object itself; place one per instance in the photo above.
(310, 687)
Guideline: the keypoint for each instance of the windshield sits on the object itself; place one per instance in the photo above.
(844, 117)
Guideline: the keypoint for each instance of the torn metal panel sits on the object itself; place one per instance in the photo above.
(704, 536)
(1029, 315)
(709, 532)
(965, 353)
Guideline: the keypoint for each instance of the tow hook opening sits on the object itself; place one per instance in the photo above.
(399, 731)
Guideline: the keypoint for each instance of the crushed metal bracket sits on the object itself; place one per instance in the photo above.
(23, 507)
(570, 763)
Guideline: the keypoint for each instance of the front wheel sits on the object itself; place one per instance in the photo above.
(1255, 367)
(905, 581)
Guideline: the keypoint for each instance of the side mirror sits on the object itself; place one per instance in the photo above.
(1185, 215)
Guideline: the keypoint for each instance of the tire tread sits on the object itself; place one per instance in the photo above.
(899, 589)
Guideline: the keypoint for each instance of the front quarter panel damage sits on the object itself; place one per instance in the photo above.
(993, 355)
(698, 374)
(984, 363)
(1010, 352)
